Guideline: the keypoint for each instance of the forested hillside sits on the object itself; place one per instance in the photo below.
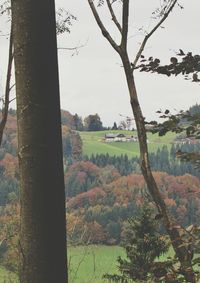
(105, 206)
(102, 190)
(72, 149)
(162, 157)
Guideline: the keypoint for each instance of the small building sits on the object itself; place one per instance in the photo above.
(119, 137)
(186, 140)
(114, 137)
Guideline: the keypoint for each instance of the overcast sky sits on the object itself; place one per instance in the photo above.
(93, 81)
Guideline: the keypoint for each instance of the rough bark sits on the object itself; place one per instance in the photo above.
(42, 229)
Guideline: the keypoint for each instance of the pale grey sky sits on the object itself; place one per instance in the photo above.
(93, 81)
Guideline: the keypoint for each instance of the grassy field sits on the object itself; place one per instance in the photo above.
(93, 143)
(87, 264)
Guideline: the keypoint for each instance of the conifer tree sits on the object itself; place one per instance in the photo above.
(143, 243)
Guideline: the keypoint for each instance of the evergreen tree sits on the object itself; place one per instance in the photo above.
(78, 123)
(67, 147)
(143, 243)
(114, 127)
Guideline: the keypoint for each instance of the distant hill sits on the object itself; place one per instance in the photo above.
(105, 187)
(91, 146)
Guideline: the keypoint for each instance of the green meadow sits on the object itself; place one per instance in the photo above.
(93, 143)
(86, 264)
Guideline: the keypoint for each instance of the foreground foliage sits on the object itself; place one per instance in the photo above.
(143, 243)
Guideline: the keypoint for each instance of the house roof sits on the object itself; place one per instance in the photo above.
(112, 136)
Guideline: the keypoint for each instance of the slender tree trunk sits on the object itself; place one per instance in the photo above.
(42, 228)
(8, 88)
(173, 231)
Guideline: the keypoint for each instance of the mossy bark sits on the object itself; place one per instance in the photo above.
(42, 228)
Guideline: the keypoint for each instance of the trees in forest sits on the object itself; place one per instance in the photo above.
(129, 66)
(161, 160)
(9, 224)
(42, 244)
(72, 144)
(78, 122)
(109, 204)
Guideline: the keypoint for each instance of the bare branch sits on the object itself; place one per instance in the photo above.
(125, 18)
(104, 31)
(8, 88)
(12, 100)
(114, 18)
(12, 86)
(73, 48)
(69, 48)
(165, 15)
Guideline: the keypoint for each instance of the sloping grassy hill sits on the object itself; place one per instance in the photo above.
(93, 143)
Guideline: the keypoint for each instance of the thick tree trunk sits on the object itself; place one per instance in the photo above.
(173, 230)
(42, 230)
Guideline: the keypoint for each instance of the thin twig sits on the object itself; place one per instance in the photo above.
(12, 87)
(114, 18)
(70, 48)
(12, 100)
(104, 31)
(166, 14)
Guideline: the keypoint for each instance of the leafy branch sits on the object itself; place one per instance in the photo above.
(183, 64)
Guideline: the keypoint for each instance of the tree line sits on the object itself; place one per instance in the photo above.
(163, 159)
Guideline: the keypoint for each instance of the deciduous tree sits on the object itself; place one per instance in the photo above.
(129, 68)
(42, 225)
(93, 123)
